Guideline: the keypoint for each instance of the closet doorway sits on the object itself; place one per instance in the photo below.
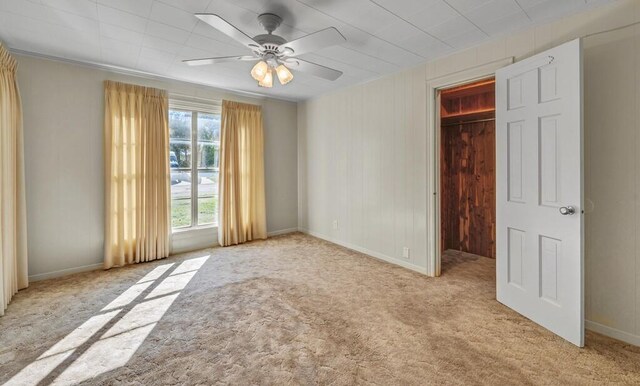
(467, 169)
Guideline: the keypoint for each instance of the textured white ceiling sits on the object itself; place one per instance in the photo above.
(154, 36)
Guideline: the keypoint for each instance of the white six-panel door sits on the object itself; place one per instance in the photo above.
(539, 184)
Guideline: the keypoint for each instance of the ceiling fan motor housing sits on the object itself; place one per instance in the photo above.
(270, 42)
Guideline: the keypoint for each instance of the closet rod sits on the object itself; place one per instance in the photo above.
(465, 122)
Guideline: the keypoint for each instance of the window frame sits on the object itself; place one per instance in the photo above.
(195, 108)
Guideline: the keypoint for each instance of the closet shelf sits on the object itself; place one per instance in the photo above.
(470, 114)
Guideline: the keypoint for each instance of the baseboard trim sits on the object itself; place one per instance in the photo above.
(613, 333)
(178, 247)
(593, 326)
(64, 272)
(590, 325)
(282, 232)
(377, 255)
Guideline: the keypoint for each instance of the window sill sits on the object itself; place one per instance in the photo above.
(191, 239)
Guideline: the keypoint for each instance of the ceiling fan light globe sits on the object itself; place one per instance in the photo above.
(267, 81)
(259, 71)
(284, 75)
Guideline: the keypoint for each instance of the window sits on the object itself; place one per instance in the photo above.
(194, 150)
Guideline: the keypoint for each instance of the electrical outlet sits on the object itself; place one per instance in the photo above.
(405, 252)
(335, 224)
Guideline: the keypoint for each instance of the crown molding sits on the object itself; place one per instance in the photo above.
(142, 74)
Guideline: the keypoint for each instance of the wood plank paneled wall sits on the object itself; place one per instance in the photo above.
(612, 159)
(468, 170)
(363, 168)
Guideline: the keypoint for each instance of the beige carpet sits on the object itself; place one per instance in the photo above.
(290, 310)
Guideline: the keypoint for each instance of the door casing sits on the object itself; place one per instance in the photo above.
(469, 75)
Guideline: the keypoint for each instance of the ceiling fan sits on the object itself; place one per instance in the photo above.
(273, 52)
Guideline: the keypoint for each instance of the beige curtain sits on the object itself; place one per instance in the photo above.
(13, 217)
(241, 187)
(136, 149)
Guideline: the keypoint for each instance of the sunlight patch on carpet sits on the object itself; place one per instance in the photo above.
(89, 350)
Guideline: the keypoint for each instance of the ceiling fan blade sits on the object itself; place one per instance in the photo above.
(228, 29)
(312, 68)
(220, 59)
(313, 42)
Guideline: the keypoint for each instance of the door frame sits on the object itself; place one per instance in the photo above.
(434, 85)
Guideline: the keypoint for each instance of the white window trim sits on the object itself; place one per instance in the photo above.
(197, 105)
(214, 107)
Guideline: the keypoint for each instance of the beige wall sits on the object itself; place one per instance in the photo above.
(63, 118)
(362, 164)
(362, 158)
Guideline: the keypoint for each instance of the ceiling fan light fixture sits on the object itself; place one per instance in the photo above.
(260, 70)
(284, 75)
(270, 51)
(267, 80)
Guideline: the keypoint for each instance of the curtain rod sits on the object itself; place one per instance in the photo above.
(211, 101)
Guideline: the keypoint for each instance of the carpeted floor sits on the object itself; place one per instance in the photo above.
(290, 310)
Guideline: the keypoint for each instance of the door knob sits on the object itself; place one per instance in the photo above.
(567, 210)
